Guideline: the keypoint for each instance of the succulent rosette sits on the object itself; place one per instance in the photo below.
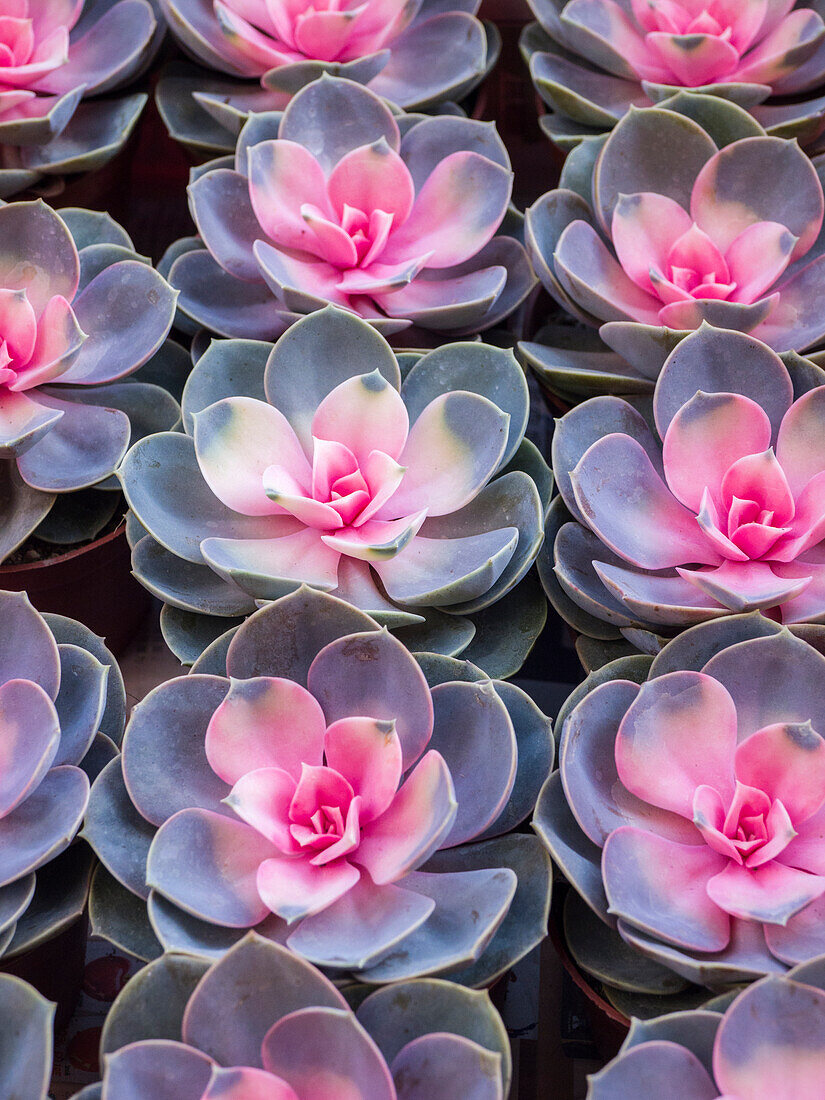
(57, 59)
(768, 1042)
(312, 462)
(25, 1062)
(593, 60)
(720, 510)
(414, 53)
(687, 811)
(397, 219)
(306, 780)
(645, 245)
(62, 708)
(80, 312)
(262, 1023)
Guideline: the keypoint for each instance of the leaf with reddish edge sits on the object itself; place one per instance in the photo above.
(265, 722)
(661, 887)
(416, 824)
(208, 865)
(678, 733)
(372, 674)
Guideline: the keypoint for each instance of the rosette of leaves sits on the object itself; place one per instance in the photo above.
(417, 499)
(82, 311)
(591, 61)
(402, 219)
(710, 507)
(308, 781)
(686, 813)
(62, 713)
(687, 212)
(262, 1023)
(417, 55)
(60, 62)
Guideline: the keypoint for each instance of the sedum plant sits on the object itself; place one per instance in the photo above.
(62, 708)
(81, 311)
(593, 60)
(687, 812)
(646, 247)
(768, 1043)
(720, 510)
(415, 54)
(262, 1023)
(56, 61)
(26, 1053)
(306, 781)
(397, 219)
(312, 462)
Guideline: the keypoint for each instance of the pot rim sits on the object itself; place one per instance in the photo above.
(24, 567)
(558, 941)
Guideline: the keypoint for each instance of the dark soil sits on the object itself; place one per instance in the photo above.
(35, 550)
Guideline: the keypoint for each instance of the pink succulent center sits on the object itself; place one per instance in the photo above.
(367, 231)
(284, 31)
(10, 370)
(328, 802)
(349, 484)
(27, 357)
(340, 493)
(752, 803)
(324, 815)
(694, 267)
(679, 257)
(16, 40)
(8, 375)
(679, 18)
(363, 233)
(359, 225)
(305, 22)
(337, 480)
(753, 510)
(751, 830)
(694, 42)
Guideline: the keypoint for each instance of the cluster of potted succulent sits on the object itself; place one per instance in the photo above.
(302, 438)
(682, 248)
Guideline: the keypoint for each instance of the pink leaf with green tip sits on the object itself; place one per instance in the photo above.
(265, 722)
(678, 733)
(367, 753)
(414, 826)
(236, 441)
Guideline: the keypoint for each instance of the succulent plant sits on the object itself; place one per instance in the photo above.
(311, 462)
(728, 231)
(26, 1052)
(62, 707)
(719, 511)
(57, 59)
(399, 230)
(415, 54)
(305, 780)
(262, 1023)
(81, 311)
(592, 60)
(687, 812)
(768, 1042)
